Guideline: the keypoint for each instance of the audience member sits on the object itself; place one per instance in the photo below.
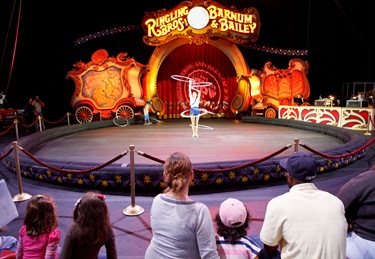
(182, 228)
(232, 222)
(358, 196)
(38, 111)
(7, 242)
(306, 222)
(29, 114)
(39, 236)
(8, 213)
(2, 99)
(298, 100)
(90, 231)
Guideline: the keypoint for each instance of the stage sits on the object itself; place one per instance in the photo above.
(227, 153)
(219, 140)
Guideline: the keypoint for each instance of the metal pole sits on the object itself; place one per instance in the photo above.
(40, 123)
(132, 210)
(21, 196)
(296, 143)
(16, 126)
(68, 118)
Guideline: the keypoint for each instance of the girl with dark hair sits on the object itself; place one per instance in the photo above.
(90, 230)
(39, 236)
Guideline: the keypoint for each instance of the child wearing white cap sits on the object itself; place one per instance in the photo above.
(232, 222)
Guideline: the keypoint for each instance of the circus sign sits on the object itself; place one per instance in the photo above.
(199, 21)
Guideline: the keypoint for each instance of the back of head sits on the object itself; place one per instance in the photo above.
(177, 169)
(301, 166)
(40, 215)
(232, 220)
(91, 219)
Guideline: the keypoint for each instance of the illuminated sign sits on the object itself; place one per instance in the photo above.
(201, 22)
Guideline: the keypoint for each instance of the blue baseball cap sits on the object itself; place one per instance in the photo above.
(301, 166)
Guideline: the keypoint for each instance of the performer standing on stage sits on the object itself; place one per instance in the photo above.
(146, 113)
(195, 97)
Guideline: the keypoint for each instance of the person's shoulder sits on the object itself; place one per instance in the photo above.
(55, 235)
(22, 230)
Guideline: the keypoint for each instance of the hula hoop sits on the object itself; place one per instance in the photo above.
(120, 118)
(203, 127)
(186, 79)
(202, 111)
(201, 84)
(153, 119)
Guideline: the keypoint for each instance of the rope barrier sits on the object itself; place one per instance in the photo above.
(195, 169)
(7, 153)
(150, 157)
(7, 130)
(245, 165)
(74, 171)
(341, 156)
(56, 122)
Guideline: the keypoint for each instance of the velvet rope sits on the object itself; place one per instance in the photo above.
(28, 126)
(341, 156)
(224, 169)
(55, 121)
(6, 154)
(150, 157)
(7, 130)
(244, 165)
(73, 171)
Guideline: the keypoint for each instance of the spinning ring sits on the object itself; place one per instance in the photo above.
(202, 112)
(186, 79)
(203, 127)
(119, 118)
(201, 84)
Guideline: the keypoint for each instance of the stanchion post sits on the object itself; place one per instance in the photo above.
(367, 133)
(132, 210)
(296, 143)
(40, 123)
(21, 196)
(16, 126)
(67, 115)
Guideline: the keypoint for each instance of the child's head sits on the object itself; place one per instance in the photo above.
(90, 205)
(91, 219)
(232, 220)
(41, 215)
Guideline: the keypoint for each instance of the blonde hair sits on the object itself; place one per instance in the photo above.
(177, 170)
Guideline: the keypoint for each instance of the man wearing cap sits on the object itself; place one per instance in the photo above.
(305, 222)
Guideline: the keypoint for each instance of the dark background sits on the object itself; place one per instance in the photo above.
(339, 36)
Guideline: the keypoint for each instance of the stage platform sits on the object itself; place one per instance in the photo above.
(227, 153)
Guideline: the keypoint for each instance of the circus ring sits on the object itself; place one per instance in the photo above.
(209, 177)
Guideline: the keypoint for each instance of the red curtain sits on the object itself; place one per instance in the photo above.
(203, 63)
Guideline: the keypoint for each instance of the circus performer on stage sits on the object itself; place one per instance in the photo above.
(194, 96)
(146, 113)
